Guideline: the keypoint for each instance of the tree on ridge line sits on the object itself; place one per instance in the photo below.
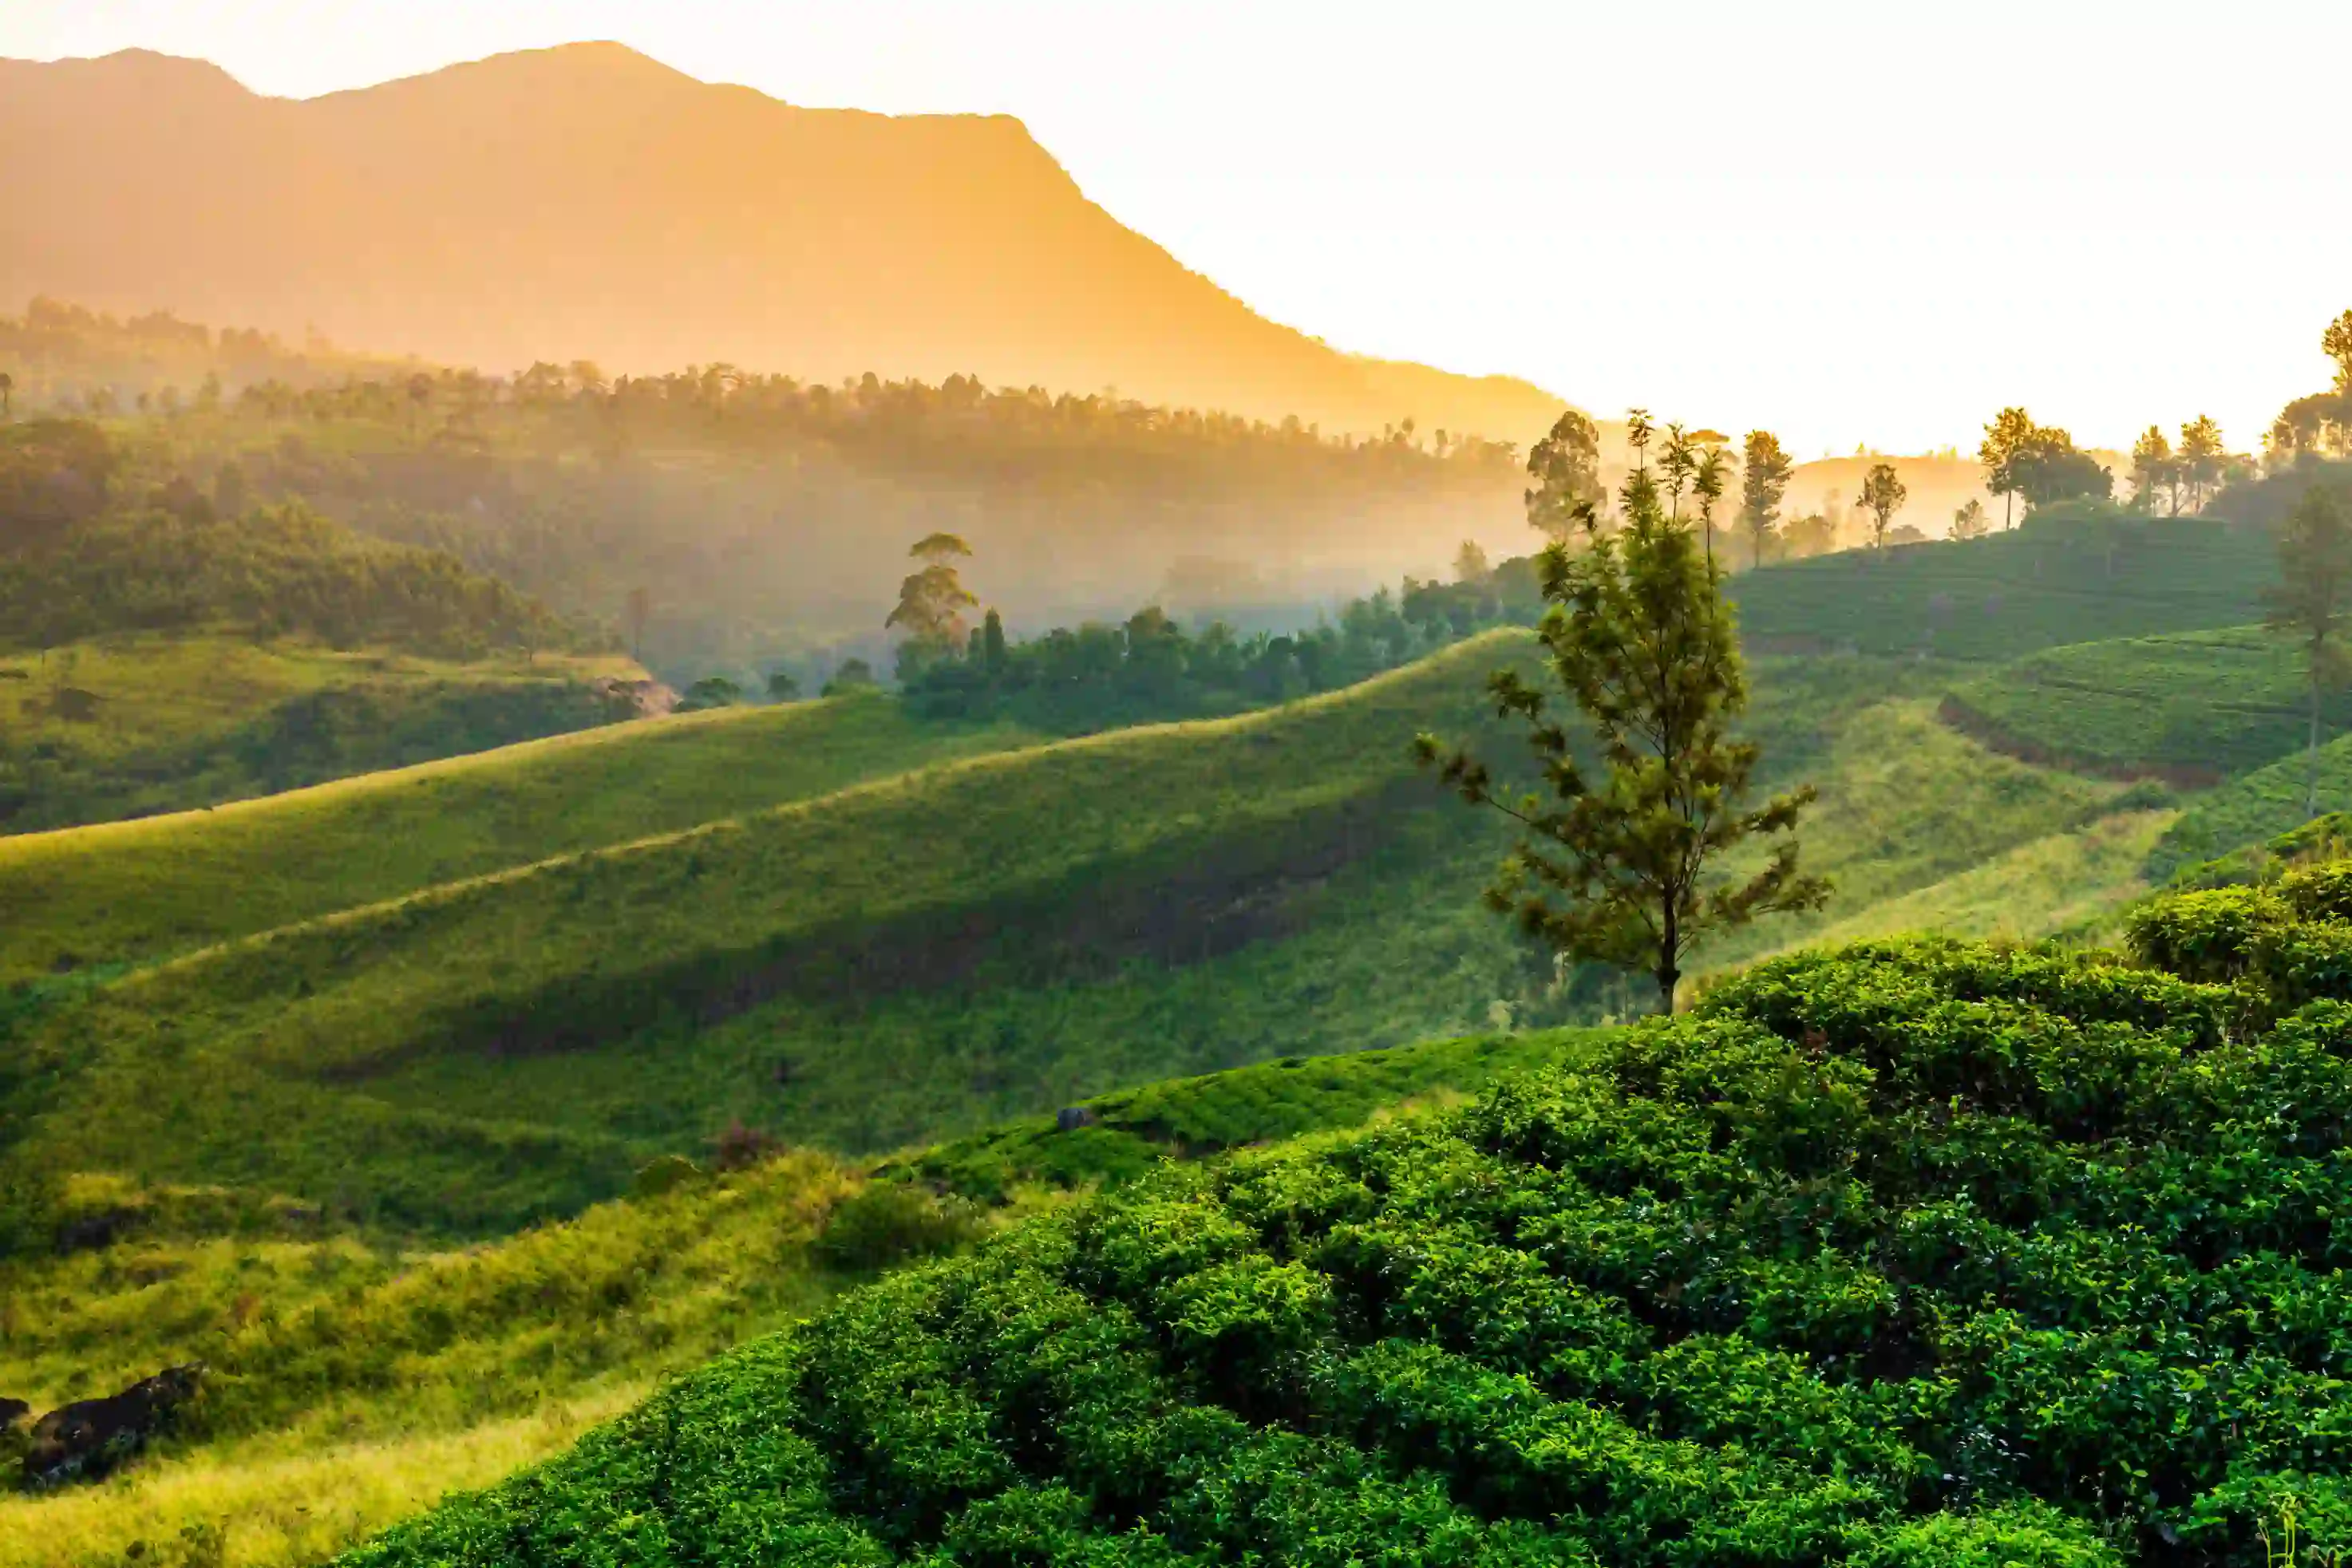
(1621, 864)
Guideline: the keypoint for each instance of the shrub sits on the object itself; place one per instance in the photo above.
(891, 1222)
(1915, 1253)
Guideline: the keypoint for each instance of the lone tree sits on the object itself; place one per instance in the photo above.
(1883, 495)
(1621, 864)
(2003, 437)
(1764, 473)
(931, 603)
(7, 394)
(1566, 468)
(2311, 600)
(1971, 522)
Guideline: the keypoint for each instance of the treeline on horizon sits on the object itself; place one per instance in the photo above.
(95, 542)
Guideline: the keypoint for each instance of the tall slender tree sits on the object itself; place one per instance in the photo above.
(1882, 495)
(2202, 458)
(1764, 474)
(1708, 483)
(1566, 468)
(2003, 437)
(1621, 862)
(2154, 470)
(2311, 602)
(8, 395)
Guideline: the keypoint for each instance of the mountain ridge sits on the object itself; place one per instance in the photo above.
(642, 218)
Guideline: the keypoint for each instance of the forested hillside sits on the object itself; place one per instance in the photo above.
(737, 521)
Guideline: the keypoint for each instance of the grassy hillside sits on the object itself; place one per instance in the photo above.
(912, 958)
(2195, 708)
(133, 725)
(2255, 808)
(2052, 580)
(133, 892)
(353, 1383)
(1900, 1255)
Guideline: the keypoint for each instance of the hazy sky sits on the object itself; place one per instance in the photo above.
(1853, 223)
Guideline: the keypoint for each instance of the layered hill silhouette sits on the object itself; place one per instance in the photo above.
(588, 202)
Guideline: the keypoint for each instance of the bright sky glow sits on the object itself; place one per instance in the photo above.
(1850, 222)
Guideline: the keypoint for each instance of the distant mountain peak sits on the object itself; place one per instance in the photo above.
(586, 201)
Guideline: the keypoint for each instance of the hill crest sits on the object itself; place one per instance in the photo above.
(642, 218)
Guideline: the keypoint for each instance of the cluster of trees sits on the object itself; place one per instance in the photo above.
(952, 425)
(2179, 479)
(64, 358)
(2037, 464)
(2320, 426)
(94, 541)
(1566, 469)
(172, 565)
(1151, 667)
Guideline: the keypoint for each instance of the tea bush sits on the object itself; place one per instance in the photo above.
(1912, 1253)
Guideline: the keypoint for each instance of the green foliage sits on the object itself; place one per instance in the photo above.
(2195, 707)
(2074, 574)
(1151, 669)
(134, 726)
(1566, 468)
(274, 573)
(1918, 1253)
(2311, 599)
(888, 1222)
(142, 891)
(2253, 810)
(897, 963)
(1617, 871)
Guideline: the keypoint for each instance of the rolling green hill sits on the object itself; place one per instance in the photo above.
(133, 892)
(2254, 808)
(2058, 579)
(2195, 708)
(914, 957)
(130, 726)
(1897, 1255)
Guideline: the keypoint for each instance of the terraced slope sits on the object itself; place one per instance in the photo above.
(2046, 584)
(133, 892)
(2195, 708)
(914, 957)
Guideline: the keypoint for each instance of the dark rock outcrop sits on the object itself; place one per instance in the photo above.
(91, 1437)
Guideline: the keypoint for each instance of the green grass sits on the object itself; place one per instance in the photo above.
(2196, 707)
(353, 1381)
(179, 723)
(913, 958)
(135, 892)
(1993, 598)
(2255, 807)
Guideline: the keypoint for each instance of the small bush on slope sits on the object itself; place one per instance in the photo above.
(1913, 1253)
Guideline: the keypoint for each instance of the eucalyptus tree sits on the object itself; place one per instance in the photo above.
(1764, 473)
